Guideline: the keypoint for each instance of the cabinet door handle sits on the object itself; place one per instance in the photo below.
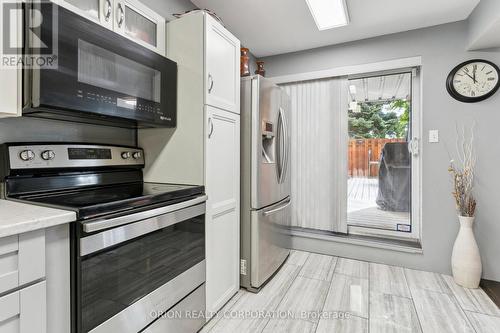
(211, 126)
(210, 83)
(121, 15)
(107, 10)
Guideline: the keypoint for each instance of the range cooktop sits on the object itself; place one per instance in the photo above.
(104, 200)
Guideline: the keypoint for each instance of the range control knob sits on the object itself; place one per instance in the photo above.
(126, 155)
(27, 155)
(48, 155)
(137, 155)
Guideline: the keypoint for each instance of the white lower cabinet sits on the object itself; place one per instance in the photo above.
(24, 311)
(35, 282)
(22, 259)
(223, 211)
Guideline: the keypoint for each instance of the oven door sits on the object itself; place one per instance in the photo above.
(129, 272)
(98, 76)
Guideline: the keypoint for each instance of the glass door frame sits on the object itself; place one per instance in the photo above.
(416, 163)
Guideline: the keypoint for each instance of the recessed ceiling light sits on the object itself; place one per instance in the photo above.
(329, 14)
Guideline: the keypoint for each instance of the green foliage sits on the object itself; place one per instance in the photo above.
(372, 122)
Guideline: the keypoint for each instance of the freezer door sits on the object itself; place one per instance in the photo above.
(270, 136)
(270, 241)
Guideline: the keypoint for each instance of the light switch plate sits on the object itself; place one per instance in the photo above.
(433, 136)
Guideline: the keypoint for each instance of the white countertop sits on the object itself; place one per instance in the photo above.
(17, 218)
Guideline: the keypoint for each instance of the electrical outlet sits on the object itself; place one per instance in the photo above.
(433, 136)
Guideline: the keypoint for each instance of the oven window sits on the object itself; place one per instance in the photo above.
(114, 279)
(105, 69)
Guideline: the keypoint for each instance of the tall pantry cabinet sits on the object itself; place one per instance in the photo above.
(205, 146)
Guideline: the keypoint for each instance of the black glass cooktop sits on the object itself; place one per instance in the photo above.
(98, 201)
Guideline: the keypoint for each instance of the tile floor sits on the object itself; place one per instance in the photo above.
(319, 293)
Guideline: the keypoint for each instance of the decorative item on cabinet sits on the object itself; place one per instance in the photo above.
(208, 11)
(245, 66)
(260, 68)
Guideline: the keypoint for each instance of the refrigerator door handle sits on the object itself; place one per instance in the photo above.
(281, 146)
(286, 146)
(275, 210)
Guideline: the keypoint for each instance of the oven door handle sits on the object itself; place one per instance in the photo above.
(114, 236)
(99, 225)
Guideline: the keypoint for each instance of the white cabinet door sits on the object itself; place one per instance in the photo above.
(140, 24)
(99, 11)
(223, 206)
(222, 67)
(24, 311)
(10, 74)
(22, 259)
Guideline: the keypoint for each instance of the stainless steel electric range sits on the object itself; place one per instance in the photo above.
(137, 248)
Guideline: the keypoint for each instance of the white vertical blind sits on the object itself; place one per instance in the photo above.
(316, 157)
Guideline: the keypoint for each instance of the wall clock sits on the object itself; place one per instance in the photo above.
(473, 81)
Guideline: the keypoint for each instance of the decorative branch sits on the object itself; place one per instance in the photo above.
(463, 173)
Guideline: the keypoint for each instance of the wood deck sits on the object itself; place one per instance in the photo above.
(362, 209)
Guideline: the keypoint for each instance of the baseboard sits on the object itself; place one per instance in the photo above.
(492, 289)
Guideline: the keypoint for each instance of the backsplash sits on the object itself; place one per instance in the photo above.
(26, 129)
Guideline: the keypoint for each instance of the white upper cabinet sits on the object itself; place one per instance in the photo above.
(129, 18)
(99, 11)
(222, 67)
(141, 24)
(10, 76)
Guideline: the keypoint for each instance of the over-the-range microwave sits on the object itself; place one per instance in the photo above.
(99, 76)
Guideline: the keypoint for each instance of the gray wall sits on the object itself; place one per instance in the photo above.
(441, 48)
(27, 129)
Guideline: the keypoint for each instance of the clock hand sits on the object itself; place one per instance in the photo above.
(470, 77)
(474, 75)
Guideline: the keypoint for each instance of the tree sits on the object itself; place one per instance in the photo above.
(376, 121)
(404, 119)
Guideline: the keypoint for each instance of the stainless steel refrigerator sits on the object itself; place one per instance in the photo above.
(265, 180)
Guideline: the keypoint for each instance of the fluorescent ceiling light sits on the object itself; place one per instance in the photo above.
(329, 14)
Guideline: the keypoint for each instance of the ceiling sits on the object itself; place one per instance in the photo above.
(270, 27)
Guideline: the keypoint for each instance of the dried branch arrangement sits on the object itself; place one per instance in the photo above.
(462, 172)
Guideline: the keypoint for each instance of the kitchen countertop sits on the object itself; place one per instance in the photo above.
(17, 218)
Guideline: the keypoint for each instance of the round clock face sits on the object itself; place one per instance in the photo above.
(473, 81)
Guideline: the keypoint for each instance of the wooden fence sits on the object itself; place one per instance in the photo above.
(364, 156)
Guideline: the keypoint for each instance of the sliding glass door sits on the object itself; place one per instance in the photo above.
(354, 155)
(382, 155)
